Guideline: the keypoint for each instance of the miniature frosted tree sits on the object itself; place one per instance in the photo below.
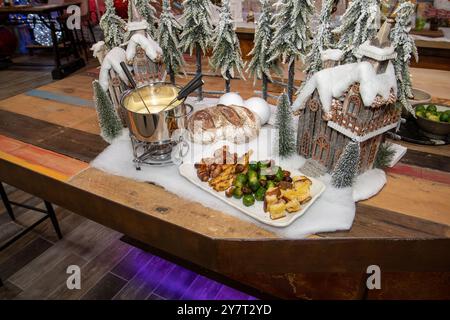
(292, 34)
(323, 39)
(112, 25)
(197, 31)
(147, 11)
(406, 48)
(259, 67)
(358, 24)
(110, 124)
(168, 38)
(347, 166)
(286, 132)
(226, 51)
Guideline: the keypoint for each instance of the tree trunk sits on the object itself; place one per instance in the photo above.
(264, 86)
(290, 85)
(171, 75)
(227, 82)
(198, 55)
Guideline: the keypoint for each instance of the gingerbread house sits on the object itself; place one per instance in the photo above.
(349, 102)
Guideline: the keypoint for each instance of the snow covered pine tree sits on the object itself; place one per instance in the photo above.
(323, 39)
(110, 124)
(358, 24)
(226, 51)
(347, 167)
(406, 48)
(259, 67)
(112, 25)
(197, 31)
(147, 11)
(292, 34)
(168, 38)
(286, 132)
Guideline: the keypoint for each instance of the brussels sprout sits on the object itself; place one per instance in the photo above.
(253, 165)
(420, 108)
(229, 192)
(431, 108)
(279, 176)
(420, 114)
(270, 184)
(248, 200)
(264, 164)
(254, 184)
(260, 194)
(444, 117)
(252, 174)
(237, 193)
(240, 180)
(263, 183)
(434, 118)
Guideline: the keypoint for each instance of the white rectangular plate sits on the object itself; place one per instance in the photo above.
(257, 210)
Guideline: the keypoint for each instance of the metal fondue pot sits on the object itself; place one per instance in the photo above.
(158, 126)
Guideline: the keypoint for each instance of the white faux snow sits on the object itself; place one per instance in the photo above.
(333, 82)
(150, 46)
(333, 211)
(331, 54)
(362, 138)
(260, 107)
(112, 60)
(231, 98)
(137, 25)
(399, 152)
(368, 184)
(374, 52)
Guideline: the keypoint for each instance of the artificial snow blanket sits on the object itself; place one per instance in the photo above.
(334, 210)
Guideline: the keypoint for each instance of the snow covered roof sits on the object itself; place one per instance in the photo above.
(331, 54)
(333, 82)
(374, 52)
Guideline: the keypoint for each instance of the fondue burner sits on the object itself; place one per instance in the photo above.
(158, 154)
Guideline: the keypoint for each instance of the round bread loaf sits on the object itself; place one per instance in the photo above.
(232, 123)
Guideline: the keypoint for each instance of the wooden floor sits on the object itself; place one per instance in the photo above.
(35, 266)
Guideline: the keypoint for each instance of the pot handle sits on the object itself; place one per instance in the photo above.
(191, 108)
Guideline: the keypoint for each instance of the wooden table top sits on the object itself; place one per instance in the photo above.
(38, 8)
(49, 135)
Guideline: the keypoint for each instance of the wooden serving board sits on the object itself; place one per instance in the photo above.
(257, 210)
(429, 33)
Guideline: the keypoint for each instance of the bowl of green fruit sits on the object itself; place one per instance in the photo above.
(434, 119)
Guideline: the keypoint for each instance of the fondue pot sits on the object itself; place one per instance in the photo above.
(149, 116)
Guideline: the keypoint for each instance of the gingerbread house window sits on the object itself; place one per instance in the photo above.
(321, 150)
(306, 140)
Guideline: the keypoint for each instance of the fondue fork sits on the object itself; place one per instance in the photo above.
(133, 84)
(190, 87)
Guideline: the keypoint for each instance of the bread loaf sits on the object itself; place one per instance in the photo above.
(232, 123)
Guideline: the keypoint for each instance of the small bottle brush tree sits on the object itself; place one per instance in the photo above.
(110, 124)
(259, 67)
(323, 39)
(286, 132)
(147, 11)
(406, 48)
(168, 38)
(358, 24)
(292, 34)
(197, 31)
(226, 51)
(112, 25)
(347, 166)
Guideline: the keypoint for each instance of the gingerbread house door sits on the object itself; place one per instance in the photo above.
(321, 150)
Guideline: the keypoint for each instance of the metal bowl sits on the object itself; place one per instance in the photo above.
(434, 127)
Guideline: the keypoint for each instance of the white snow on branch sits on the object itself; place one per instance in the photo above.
(333, 82)
(112, 61)
(150, 46)
(331, 54)
(374, 52)
(137, 25)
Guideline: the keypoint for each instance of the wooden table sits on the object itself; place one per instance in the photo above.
(44, 13)
(49, 135)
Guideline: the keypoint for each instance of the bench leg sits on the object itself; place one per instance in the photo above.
(6, 202)
(52, 215)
